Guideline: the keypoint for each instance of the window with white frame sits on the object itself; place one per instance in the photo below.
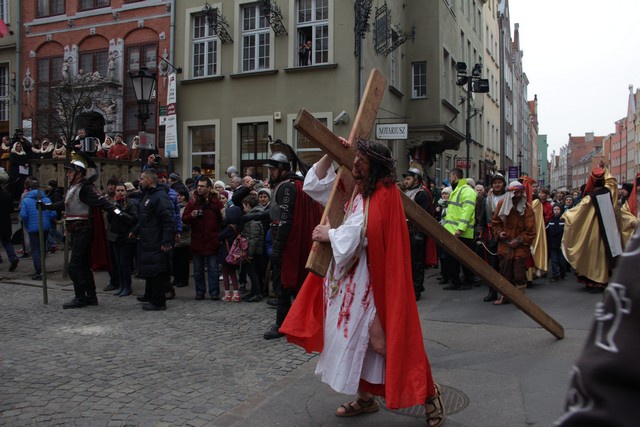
(307, 151)
(419, 79)
(204, 45)
(254, 146)
(5, 96)
(50, 8)
(313, 26)
(394, 63)
(203, 149)
(256, 39)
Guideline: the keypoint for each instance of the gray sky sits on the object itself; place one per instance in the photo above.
(580, 58)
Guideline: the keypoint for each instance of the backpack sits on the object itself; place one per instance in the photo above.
(237, 251)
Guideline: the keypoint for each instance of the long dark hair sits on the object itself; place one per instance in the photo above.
(381, 166)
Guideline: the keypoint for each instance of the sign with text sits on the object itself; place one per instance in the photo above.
(171, 123)
(462, 163)
(513, 172)
(392, 131)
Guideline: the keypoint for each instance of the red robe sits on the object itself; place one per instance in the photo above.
(307, 214)
(100, 257)
(408, 378)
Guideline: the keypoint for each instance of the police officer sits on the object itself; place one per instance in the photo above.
(417, 239)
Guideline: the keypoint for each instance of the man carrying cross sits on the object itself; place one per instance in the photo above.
(363, 316)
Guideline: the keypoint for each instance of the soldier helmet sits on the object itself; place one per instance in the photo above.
(415, 172)
(499, 176)
(277, 160)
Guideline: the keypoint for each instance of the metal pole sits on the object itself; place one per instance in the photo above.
(468, 124)
(43, 267)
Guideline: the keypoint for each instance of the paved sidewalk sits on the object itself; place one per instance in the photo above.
(205, 362)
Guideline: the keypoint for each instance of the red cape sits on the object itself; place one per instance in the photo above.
(100, 259)
(431, 254)
(306, 216)
(408, 373)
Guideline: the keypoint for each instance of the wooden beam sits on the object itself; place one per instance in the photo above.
(330, 144)
(320, 255)
(470, 259)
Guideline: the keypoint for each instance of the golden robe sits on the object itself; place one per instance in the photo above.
(582, 242)
(539, 249)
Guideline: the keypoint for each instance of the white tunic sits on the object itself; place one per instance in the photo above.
(348, 300)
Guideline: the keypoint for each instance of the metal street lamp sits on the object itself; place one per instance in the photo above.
(520, 156)
(474, 84)
(144, 84)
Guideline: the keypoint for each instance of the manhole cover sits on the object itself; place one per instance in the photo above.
(454, 401)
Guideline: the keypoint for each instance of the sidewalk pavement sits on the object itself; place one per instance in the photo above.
(205, 362)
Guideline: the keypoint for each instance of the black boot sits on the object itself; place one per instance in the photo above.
(273, 333)
(491, 296)
(74, 303)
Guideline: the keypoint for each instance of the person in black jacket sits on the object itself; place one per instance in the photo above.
(417, 238)
(156, 231)
(555, 229)
(118, 236)
(287, 271)
(6, 207)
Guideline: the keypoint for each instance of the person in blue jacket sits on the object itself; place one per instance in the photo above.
(29, 217)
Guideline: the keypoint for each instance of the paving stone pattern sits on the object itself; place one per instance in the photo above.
(116, 365)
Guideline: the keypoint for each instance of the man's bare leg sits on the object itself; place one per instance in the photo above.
(364, 401)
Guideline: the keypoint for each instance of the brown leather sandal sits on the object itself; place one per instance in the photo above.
(358, 407)
(435, 416)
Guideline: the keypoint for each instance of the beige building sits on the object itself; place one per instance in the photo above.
(245, 77)
(491, 152)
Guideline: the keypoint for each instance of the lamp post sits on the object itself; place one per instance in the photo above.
(144, 84)
(473, 83)
(520, 156)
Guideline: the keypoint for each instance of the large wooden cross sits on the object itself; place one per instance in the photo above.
(320, 255)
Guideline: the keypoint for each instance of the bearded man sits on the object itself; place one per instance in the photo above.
(418, 239)
(362, 316)
(496, 194)
(514, 225)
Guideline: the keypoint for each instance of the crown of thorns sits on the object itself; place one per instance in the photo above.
(366, 147)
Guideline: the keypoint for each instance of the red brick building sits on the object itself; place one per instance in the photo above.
(62, 40)
(617, 145)
(578, 148)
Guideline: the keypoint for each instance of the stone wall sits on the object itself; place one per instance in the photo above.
(48, 169)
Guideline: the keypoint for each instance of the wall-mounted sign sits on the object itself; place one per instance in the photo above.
(513, 172)
(462, 163)
(392, 131)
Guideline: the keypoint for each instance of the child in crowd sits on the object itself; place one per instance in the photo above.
(232, 228)
(254, 234)
(440, 214)
(182, 248)
(555, 229)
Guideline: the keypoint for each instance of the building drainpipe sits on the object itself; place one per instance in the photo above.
(172, 42)
(18, 69)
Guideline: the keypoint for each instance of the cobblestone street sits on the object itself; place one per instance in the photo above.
(205, 363)
(115, 364)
